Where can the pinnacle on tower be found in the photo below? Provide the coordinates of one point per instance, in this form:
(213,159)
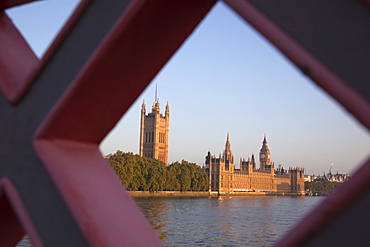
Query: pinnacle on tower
(167,106)
(227,146)
(167,112)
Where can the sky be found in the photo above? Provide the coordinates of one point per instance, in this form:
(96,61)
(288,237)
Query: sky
(227,78)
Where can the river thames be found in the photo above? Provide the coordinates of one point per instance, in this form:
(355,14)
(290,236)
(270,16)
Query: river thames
(226,221)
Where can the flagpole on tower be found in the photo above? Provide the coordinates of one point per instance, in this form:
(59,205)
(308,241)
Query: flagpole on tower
(156,92)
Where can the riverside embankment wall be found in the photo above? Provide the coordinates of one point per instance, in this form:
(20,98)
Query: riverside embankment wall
(204,194)
(168,194)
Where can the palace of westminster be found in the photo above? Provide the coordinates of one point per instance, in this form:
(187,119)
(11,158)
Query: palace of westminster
(224,177)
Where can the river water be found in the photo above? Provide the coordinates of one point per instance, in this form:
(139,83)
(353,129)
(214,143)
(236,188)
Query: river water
(225,221)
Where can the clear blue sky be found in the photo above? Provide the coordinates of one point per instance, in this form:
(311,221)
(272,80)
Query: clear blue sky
(227,78)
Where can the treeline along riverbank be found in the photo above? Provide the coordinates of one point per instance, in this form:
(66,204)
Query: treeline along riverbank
(145,177)
(186,194)
(144,174)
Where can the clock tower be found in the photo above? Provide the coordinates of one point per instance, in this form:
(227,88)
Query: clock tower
(265,162)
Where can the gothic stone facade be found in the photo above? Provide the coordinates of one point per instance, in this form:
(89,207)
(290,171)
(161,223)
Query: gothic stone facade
(154,133)
(226,179)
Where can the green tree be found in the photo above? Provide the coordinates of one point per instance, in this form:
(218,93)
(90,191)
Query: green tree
(189,176)
(155,176)
(144,174)
(138,173)
(172,183)
(184,177)
(323,186)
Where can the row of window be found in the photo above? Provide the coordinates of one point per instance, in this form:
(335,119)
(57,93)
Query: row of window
(148,155)
(162,138)
(222,185)
(149,137)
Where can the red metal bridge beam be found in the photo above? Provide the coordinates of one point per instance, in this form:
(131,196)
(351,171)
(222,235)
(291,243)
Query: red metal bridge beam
(14,217)
(109,83)
(102,70)
(330,44)
(18,61)
(5,4)
(121,49)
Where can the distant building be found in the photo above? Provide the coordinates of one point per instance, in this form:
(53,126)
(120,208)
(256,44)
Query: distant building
(339,178)
(308,178)
(226,179)
(154,133)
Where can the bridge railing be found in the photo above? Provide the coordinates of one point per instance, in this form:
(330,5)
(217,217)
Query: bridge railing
(56,186)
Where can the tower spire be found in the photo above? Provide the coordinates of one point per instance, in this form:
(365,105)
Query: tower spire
(265,162)
(228,155)
(156,92)
(228,141)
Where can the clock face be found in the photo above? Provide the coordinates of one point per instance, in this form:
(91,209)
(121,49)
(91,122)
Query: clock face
(262,156)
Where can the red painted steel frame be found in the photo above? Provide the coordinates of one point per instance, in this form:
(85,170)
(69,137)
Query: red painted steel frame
(136,48)
(19,64)
(68,141)
(346,195)
(5,4)
(14,217)
(18,60)
(311,66)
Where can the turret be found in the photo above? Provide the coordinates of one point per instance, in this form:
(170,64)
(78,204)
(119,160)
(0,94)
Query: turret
(208,160)
(156,107)
(167,112)
(143,106)
(253,162)
(142,131)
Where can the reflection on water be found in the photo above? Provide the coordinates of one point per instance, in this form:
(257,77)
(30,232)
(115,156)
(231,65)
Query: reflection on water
(252,221)
(156,214)
(248,221)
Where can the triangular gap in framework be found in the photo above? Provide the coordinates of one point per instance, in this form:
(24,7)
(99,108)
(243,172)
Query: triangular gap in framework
(346,80)
(339,90)
(187,84)
(41,35)
(54,135)
(18,56)
(14,219)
